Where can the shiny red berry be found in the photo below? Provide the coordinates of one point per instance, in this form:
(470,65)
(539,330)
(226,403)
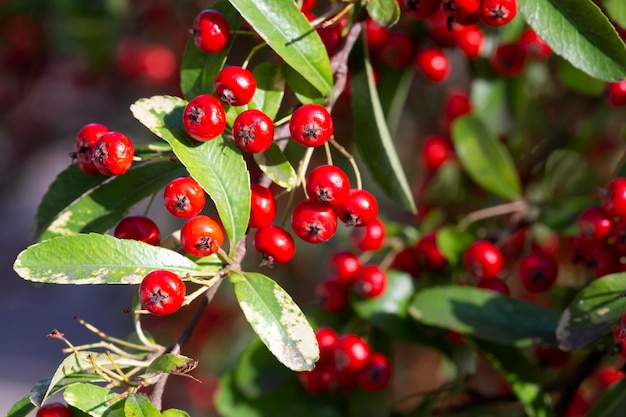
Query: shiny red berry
(352,353)
(428,254)
(311,125)
(275,244)
(211,31)
(497,12)
(307,5)
(375,35)
(184,197)
(460,7)
(375,376)
(613,198)
(434,63)
(369,237)
(359,209)
(617,93)
(483,259)
(594,224)
(537,272)
(471,39)
(371,281)
(53,410)
(262,206)
(436,150)
(508,60)
(312,222)
(201,236)
(113,154)
(344,266)
(235,86)
(85,141)
(138,228)
(328,185)
(253,131)
(333,295)
(162,292)
(420,9)
(327,340)
(330,36)
(204,118)
(457,104)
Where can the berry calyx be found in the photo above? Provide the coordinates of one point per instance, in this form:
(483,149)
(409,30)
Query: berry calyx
(113,154)
(183,197)
(201,236)
(375,376)
(235,86)
(211,31)
(275,244)
(369,237)
(433,63)
(85,141)
(359,209)
(204,118)
(253,131)
(53,410)
(328,185)
(262,206)
(139,228)
(313,223)
(311,125)
(483,259)
(537,272)
(162,292)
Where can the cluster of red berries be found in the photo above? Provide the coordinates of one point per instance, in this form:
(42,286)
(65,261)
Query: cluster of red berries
(345,362)
(601,244)
(99,150)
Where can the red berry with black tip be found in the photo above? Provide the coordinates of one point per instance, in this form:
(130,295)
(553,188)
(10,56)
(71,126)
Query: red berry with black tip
(352,353)
(211,31)
(253,131)
(328,185)
(275,244)
(370,282)
(139,228)
(359,209)
(162,292)
(262,206)
(53,410)
(85,141)
(460,7)
(201,236)
(428,254)
(113,154)
(311,125)
(420,9)
(508,60)
(594,224)
(375,376)
(184,197)
(204,118)
(537,272)
(497,12)
(235,86)
(312,222)
(483,259)
(369,237)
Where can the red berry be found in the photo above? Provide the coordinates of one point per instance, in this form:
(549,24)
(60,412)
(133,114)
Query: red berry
(371,282)
(85,141)
(594,224)
(617,93)
(497,12)
(433,63)
(470,39)
(333,295)
(375,376)
(508,60)
(253,131)
(210,31)
(420,9)
(344,266)
(352,353)
(138,228)
(552,357)
(359,209)
(398,50)
(436,150)
(311,125)
(375,35)
(184,197)
(607,376)
(328,340)
(307,5)
(158,63)
(328,185)
(162,292)
(313,381)
(536,48)
(275,244)
(614,198)
(537,272)
(235,86)
(457,104)
(428,254)
(113,154)
(201,236)
(312,222)
(53,410)
(483,259)
(406,261)
(330,36)
(262,206)
(460,7)
(204,118)
(369,237)
(494,284)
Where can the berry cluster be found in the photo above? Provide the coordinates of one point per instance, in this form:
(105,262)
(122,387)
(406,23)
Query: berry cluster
(345,362)
(99,150)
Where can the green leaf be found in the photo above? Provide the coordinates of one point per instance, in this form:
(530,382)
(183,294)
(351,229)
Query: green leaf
(304,91)
(291,36)
(384,12)
(137,405)
(171,363)
(612,402)
(275,165)
(270,89)
(68,187)
(371,132)
(486,160)
(217,164)
(594,312)
(485,314)
(579,81)
(566,173)
(579,32)
(277,319)
(43,389)
(97,259)
(522,375)
(100,208)
(198,69)
(172,412)
(452,242)
(616,11)
(93,400)
(22,408)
